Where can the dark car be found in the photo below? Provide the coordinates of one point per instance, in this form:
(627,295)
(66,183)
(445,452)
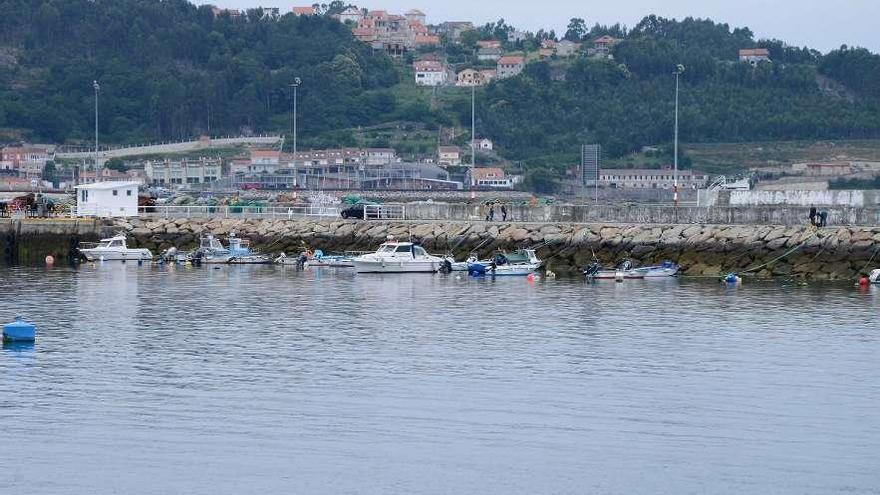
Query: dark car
(357,211)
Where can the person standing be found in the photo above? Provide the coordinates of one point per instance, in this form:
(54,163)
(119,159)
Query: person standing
(492,213)
(503,213)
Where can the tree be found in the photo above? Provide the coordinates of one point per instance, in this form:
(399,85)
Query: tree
(540,180)
(50,173)
(577,30)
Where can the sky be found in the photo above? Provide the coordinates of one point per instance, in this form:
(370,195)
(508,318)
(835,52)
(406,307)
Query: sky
(820,24)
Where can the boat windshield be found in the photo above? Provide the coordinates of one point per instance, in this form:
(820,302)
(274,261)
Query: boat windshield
(386,248)
(420,251)
(110,243)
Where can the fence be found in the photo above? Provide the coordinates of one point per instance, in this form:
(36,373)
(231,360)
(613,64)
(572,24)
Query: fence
(272,212)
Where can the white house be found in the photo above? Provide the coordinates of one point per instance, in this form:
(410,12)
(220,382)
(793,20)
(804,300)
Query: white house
(430,73)
(107,199)
(350,14)
(483,144)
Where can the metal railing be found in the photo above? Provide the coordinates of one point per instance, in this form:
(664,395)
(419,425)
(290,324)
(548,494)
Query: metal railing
(202,211)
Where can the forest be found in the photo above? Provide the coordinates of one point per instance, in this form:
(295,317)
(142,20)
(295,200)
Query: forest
(170,70)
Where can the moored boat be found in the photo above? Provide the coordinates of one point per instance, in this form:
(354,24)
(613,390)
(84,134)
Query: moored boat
(238,252)
(398,257)
(114,249)
(520,263)
(623,270)
(665,269)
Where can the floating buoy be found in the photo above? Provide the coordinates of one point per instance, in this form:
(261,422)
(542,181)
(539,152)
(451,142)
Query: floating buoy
(864,282)
(618,276)
(101,259)
(732,278)
(550,274)
(50,260)
(530,277)
(19,331)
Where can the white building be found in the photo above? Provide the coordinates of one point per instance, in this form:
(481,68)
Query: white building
(483,144)
(430,73)
(449,156)
(350,14)
(628,178)
(264,161)
(107,199)
(754,56)
(183,172)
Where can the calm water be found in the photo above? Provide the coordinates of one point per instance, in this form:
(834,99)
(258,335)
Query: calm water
(268,380)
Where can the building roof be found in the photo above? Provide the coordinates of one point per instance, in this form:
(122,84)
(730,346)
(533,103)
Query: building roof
(448,149)
(379,14)
(428,66)
(511,60)
(427,39)
(605,40)
(113,184)
(548,43)
(303,10)
(489,44)
(265,154)
(486,172)
(414,12)
(754,52)
(649,171)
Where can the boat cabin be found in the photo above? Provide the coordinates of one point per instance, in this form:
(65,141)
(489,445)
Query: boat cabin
(398,249)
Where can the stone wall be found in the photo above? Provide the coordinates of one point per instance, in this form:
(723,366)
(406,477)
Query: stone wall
(29,241)
(704,250)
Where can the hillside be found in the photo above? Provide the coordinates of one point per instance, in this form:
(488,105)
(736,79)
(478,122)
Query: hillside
(171,70)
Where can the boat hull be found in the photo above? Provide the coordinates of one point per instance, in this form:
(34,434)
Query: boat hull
(390,266)
(616,274)
(517,270)
(94,254)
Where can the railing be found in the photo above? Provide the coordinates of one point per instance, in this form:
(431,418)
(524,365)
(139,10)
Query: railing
(385,212)
(279,212)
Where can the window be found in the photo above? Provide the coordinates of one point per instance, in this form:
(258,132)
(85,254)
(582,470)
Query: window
(85,195)
(128,192)
(402,249)
(115,192)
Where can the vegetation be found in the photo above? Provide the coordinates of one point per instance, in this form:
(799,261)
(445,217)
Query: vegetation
(169,69)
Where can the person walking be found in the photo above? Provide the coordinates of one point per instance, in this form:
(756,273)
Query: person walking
(503,213)
(492,213)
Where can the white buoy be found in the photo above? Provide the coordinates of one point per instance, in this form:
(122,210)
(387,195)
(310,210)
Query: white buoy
(618,276)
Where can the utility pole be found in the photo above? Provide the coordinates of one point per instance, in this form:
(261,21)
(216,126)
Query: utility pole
(473,125)
(678,71)
(296,82)
(97,88)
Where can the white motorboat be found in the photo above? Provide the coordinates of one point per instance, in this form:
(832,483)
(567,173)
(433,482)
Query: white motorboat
(665,269)
(114,248)
(874,277)
(398,257)
(316,260)
(521,263)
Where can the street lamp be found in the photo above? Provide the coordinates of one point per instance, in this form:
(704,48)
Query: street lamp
(97,88)
(473,124)
(296,82)
(679,70)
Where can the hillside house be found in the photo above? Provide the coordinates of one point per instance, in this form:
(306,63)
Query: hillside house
(453,29)
(548,48)
(264,161)
(449,156)
(483,144)
(416,15)
(489,44)
(566,48)
(28,161)
(469,77)
(430,73)
(510,65)
(489,178)
(602,46)
(489,54)
(754,56)
(350,14)
(427,40)
(298,11)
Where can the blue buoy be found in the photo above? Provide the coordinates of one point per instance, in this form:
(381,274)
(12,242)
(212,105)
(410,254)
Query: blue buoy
(19,331)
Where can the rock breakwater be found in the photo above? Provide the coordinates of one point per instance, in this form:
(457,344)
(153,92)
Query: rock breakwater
(707,250)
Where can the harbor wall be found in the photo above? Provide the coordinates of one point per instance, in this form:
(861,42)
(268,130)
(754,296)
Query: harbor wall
(834,253)
(29,241)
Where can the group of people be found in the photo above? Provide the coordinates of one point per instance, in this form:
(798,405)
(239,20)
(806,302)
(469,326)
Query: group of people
(490,216)
(818,218)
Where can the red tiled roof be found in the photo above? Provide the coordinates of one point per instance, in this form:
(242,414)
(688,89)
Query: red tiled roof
(754,52)
(303,10)
(511,60)
(484,172)
(428,66)
(265,154)
(427,39)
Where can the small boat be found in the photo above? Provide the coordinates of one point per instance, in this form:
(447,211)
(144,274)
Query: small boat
(874,277)
(238,252)
(665,269)
(450,265)
(398,257)
(521,263)
(114,248)
(623,270)
(317,259)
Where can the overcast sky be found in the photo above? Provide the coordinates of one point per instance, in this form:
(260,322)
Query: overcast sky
(819,24)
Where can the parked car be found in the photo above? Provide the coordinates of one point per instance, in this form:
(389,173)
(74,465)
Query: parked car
(357,211)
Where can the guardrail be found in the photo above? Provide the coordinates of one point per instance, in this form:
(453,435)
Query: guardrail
(279,212)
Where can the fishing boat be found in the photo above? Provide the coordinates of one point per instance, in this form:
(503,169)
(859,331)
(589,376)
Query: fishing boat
(520,263)
(623,270)
(450,265)
(665,269)
(238,251)
(114,248)
(398,257)
(317,259)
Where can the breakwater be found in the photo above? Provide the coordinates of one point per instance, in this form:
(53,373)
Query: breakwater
(834,253)
(708,250)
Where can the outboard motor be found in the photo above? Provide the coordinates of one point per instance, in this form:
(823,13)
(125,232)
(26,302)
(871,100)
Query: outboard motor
(592,269)
(301,261)
(477,270)
(446,266)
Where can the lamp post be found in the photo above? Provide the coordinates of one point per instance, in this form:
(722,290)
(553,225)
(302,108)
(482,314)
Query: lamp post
(679,70)
(296,82)
(97,88)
